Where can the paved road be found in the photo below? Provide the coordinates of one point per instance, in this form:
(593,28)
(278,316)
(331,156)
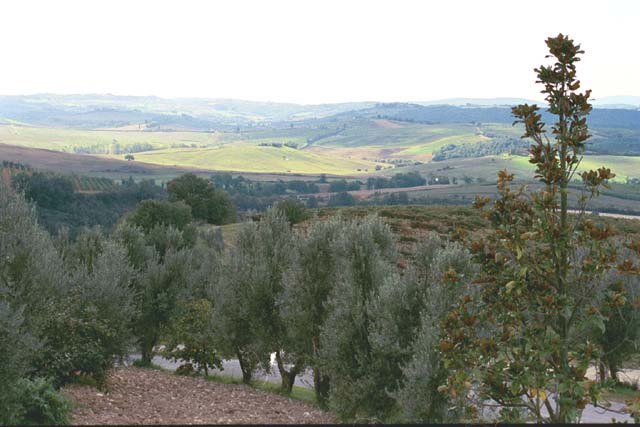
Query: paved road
(232,368)
(596,415)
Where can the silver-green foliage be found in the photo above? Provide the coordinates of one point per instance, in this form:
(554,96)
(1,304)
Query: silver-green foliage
(308,284)
(32,276)
(233,313)
(441,275)
(16,347)
(61,311)
(251,295)
(90,326)
(193,334)
(161,258)
(366,256)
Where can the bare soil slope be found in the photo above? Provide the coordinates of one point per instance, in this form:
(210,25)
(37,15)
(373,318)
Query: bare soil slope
(144,396)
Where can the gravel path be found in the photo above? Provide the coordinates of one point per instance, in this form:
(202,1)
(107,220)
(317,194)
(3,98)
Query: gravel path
(146,396)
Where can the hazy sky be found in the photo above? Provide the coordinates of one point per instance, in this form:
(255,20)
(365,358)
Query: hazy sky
(311,51)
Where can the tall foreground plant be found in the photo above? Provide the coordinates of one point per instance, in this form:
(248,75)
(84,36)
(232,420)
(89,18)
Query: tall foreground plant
(523,345)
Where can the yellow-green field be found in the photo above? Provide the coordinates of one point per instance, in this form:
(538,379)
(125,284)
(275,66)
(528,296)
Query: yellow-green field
(425,151)
(370,133)
(623,166)
(252,158)
(68,140)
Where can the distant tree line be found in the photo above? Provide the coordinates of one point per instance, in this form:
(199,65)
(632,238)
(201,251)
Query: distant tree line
(480,149)
(622,142)
(13,165)
(279,144)
(259,195)
(240,185)
(399,180)
(114,148)
(61,206)
(599,118)
(344,185)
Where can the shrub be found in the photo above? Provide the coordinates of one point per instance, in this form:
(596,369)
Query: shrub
(152,213)
(293,210)
(620,339)
(341,199)
(16,349)
(185,369)
(193,336)
(91,327)
(40,403)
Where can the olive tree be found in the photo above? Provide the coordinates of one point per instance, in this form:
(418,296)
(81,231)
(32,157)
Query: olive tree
(57,316)
(366,256)
(232,313)
(267,246)
(92,326)
(193,333)
(308,285)
(159,249)
(440,274)
(17,346)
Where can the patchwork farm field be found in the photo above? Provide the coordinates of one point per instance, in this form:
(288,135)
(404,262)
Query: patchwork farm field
(487,167)
(351,147)
(252,158)
(105,141)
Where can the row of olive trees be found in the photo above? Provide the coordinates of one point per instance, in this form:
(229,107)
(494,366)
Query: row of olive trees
(330,298)
(72,308)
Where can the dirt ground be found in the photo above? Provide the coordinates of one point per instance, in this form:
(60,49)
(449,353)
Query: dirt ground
(145,396)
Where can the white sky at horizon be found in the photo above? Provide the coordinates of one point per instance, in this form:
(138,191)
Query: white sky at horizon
(308,51)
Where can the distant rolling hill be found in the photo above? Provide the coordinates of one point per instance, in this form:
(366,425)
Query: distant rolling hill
(488,102)
(599,118)
(90,111)
(201,114)
(623,102)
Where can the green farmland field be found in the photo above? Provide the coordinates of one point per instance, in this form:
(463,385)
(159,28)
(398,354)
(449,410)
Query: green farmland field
(251,158)
(69,140)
